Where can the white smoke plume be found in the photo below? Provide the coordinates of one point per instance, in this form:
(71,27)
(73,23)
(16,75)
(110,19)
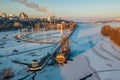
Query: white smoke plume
(34,6)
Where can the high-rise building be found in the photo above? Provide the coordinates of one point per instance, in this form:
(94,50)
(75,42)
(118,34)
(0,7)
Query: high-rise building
(49,19)
(52,19)
(23,15)
(11,16)
(3,15)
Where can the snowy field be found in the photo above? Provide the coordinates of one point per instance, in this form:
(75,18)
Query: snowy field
(94,56)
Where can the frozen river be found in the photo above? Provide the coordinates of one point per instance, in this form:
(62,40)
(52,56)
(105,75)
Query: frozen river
(85,38)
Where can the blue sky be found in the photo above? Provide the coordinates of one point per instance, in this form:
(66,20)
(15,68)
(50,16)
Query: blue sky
(69,9)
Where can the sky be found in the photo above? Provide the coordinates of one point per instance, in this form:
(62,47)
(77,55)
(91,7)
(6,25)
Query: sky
(68,9)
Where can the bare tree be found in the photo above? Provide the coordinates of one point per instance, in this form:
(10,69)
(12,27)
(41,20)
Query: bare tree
(7,73)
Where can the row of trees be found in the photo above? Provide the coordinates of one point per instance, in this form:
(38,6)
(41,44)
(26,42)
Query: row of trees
(113,33)
(106,29)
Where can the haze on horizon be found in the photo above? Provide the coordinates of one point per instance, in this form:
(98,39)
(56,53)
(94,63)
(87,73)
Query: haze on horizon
(77,10)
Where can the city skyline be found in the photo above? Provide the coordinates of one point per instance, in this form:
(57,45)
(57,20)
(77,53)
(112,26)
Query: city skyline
(78,10)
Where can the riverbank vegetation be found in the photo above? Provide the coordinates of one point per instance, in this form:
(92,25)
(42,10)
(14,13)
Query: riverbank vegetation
(112,33)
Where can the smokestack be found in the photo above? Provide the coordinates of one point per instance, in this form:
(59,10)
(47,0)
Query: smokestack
(34,6)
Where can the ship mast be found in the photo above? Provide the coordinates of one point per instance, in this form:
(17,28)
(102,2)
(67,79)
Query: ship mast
(64,50)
